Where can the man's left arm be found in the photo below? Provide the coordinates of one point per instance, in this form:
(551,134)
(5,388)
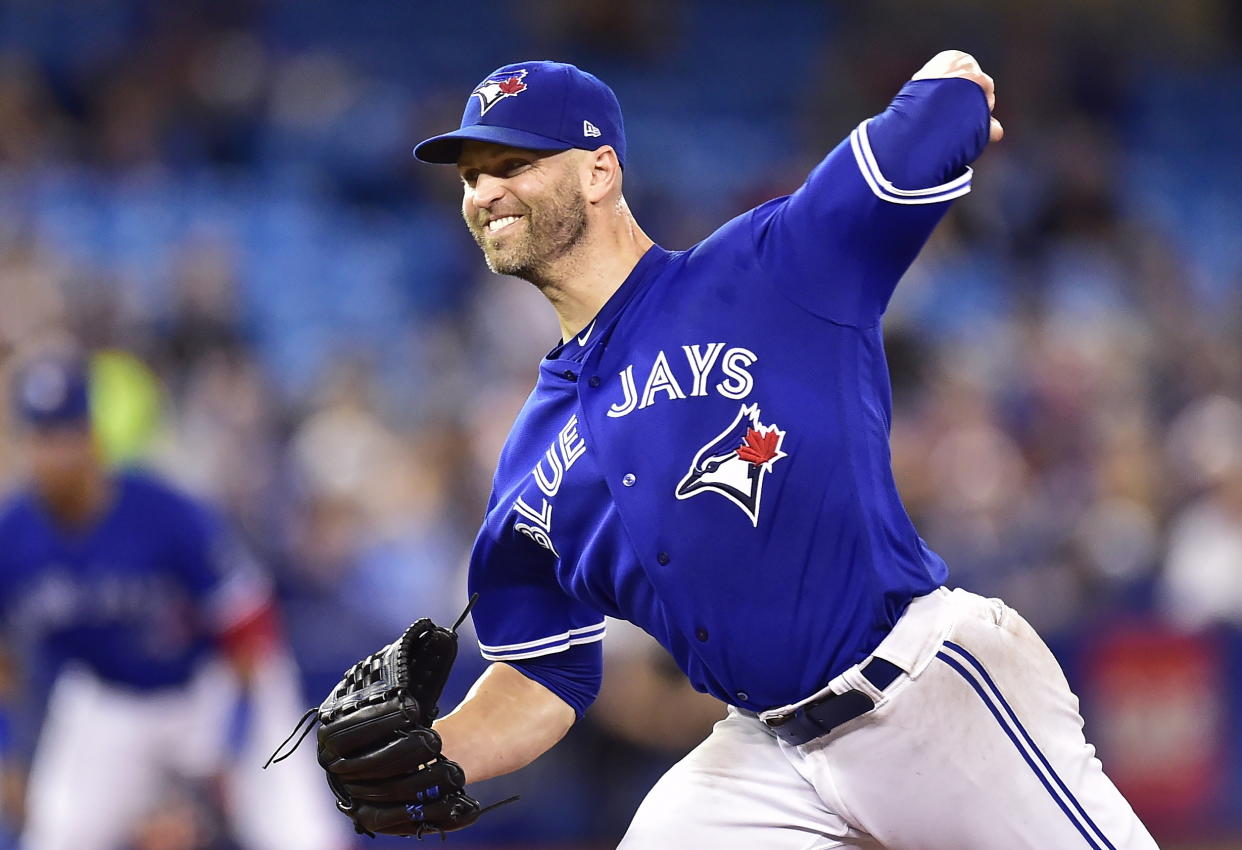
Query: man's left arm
(839,244)
(232,591)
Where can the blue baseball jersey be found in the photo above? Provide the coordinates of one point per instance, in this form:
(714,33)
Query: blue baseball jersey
(137,597)
(709,457)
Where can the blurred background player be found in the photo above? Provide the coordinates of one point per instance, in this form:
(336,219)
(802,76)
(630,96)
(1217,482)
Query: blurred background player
(139,622)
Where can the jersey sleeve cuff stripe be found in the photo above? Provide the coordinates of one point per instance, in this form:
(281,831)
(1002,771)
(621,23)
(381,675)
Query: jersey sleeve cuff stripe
(885,190)
(237,599)
(543,646)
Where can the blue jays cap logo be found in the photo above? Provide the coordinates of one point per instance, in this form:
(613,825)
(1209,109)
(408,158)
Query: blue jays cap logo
(735,462)
(497,87)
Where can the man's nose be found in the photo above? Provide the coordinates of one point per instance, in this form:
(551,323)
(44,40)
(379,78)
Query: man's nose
(487,189)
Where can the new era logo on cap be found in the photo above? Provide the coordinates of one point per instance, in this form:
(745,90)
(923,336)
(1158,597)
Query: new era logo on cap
(590,130)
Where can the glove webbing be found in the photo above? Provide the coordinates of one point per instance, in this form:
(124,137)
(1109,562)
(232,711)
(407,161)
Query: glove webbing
(358,675)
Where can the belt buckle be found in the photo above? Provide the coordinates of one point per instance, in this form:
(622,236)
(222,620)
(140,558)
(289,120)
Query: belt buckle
(803,713)
(819,717)
(806,725)
(778,720)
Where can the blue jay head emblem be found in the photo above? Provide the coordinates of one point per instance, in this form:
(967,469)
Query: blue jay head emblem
(735,462)
(497,87)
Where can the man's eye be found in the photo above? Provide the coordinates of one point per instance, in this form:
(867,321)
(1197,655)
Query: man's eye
(470,177)
(513,166)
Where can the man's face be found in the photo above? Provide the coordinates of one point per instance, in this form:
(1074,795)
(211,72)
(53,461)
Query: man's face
(62,459)
(525,208)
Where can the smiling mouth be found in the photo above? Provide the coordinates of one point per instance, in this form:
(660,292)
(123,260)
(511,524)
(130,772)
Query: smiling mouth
(498,224)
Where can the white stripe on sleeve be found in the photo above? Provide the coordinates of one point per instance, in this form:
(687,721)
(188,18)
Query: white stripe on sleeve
(885,190)
(543,646)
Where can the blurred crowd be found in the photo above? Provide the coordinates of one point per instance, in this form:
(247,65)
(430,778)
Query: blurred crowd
(218,198)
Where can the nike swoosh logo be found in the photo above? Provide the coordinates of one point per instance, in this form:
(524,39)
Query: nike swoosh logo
(582,340)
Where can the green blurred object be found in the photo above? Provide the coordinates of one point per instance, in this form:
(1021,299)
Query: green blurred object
(126,402)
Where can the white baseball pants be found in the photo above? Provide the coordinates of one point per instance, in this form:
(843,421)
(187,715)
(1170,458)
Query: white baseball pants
(106,756)
(978,746)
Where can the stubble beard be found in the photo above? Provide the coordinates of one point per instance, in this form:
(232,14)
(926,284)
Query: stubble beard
(551,230)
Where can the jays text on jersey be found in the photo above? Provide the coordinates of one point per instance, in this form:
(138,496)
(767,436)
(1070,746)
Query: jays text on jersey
(709,457)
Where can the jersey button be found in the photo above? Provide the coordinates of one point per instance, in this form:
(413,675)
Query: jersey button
(595,381)
(570,375)
(663,559)
(701,634)
(629,479)
(742,696)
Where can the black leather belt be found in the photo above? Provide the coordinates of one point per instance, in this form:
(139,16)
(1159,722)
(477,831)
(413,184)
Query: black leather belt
(821,716)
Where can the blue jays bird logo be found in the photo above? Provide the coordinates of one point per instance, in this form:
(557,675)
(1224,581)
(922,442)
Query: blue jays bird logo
(497,87)
(735,463)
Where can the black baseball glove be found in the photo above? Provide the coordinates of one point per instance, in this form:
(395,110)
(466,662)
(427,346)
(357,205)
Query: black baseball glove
(376,743)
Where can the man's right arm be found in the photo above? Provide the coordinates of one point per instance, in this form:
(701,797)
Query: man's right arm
(504,723)
(839,244)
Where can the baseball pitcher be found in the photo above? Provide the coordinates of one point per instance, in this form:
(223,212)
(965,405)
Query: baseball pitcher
(706,455)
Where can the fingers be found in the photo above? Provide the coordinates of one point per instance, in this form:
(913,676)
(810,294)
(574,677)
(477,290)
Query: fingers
(367,726)
(402,755)
(948,63)
(956,63)
(432,797)
(431,783)
(988,85)
(454,812)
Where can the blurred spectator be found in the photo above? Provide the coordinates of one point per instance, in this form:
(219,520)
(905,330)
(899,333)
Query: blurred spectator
(1203,575)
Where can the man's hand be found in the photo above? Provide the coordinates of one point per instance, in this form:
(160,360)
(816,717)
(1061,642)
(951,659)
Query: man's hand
(375,741)
(955,63)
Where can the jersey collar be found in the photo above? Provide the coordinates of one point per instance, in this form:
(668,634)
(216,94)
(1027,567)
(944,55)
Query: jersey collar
(598,328)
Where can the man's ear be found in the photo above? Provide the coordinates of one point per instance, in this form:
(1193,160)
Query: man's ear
(604,175)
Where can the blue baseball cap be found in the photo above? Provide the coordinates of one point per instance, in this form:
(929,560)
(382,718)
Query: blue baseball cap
(543,106)
(53,391)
